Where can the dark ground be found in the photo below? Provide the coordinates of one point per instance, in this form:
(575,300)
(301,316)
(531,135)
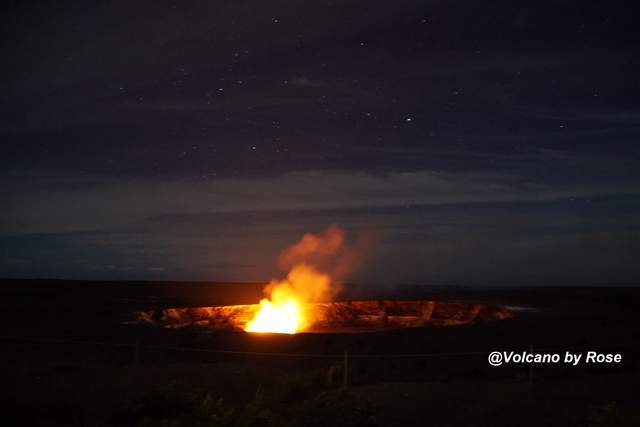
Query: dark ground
(69,360)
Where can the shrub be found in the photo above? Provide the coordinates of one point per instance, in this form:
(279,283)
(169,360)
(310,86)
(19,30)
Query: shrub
(336,409)
(173,406)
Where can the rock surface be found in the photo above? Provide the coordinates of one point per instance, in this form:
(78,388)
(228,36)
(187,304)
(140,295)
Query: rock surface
(339,316)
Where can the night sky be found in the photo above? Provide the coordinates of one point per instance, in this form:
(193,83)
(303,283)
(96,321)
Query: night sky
(482,143)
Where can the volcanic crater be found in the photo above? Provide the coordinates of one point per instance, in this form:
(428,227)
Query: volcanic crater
(333,317)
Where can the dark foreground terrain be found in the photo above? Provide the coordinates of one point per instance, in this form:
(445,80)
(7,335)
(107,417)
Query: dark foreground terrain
(71,358)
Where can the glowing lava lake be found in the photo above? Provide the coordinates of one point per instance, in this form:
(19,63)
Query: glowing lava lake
(327,317)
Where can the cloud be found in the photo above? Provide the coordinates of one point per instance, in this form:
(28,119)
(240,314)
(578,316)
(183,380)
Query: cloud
(46,203)
(563,242)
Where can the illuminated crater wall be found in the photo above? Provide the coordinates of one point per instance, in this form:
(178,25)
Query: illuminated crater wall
(340,316)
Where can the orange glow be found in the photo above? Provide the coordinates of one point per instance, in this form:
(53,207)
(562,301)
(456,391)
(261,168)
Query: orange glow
(282,311)
(337,316)
(281,318)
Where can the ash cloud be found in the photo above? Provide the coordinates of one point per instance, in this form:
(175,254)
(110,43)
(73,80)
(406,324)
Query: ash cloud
(318,264)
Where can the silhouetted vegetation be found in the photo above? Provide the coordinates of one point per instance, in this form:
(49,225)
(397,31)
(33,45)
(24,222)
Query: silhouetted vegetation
(179,406)
(336,409)
(613,415)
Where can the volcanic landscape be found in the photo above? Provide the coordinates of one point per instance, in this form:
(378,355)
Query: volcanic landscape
(62,338)
(332,317)
(299,340)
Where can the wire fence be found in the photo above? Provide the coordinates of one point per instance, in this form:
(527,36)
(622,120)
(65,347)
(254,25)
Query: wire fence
(137,345)
(369,367)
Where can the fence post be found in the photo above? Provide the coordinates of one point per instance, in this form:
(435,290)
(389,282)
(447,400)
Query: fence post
(345,371)
(531,367)
(136,353)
